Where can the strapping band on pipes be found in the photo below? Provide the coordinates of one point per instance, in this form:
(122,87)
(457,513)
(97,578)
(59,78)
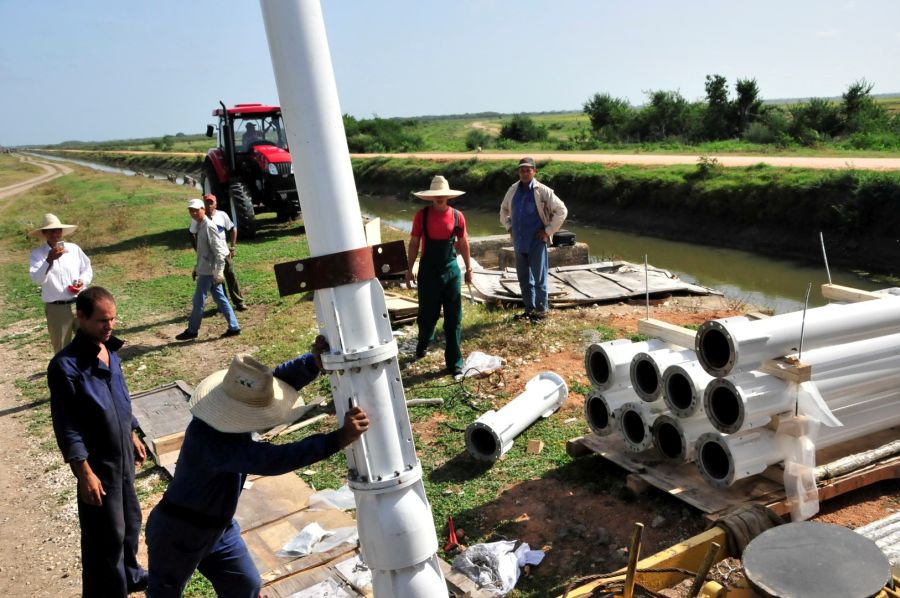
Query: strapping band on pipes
(737,344)
(607,364)
(492,434)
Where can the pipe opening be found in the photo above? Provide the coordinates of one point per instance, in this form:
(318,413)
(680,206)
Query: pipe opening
(714,460)
(669,441)
(679,391)
(598,413)
(725,408)
(714,348)
(483,442)
(633,426)
(600,370)
(645,377)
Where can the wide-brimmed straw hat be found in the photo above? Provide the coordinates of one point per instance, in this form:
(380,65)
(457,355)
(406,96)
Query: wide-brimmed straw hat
(51,222)
(439,188)
(246,398)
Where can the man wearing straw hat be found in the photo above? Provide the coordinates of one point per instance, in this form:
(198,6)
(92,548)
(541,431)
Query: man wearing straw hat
(62,270)
(193,526)
(532,213)
(440,231)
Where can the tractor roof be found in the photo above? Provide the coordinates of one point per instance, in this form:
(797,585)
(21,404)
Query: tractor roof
(239,109)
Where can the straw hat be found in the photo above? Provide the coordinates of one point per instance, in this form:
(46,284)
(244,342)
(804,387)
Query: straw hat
(439,188)
(246,398)
(51,222)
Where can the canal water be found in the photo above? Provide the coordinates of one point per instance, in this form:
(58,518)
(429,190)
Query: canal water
(758,280)
(767,282)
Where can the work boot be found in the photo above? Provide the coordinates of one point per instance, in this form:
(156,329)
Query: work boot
(525,315)
(538,316)
(187,335)
(231,332)
(240,307)
(421,350)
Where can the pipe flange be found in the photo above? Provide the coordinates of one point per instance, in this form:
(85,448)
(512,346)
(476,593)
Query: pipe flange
(715,348)
(356,359)
(396,481)
(714,459)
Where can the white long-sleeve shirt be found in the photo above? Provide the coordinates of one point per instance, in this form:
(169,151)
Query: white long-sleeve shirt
(68,268)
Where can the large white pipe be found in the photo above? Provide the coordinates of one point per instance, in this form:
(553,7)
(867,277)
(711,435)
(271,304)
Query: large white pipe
(735,344)
(600,409)
(647,367)
(396,529)
(492,434)
(683,386)
(842,374)
(607,364)
(675,437)
(724,459)
(635,422)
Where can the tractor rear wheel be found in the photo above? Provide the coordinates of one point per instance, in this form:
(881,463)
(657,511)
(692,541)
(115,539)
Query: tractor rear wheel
(242,210)
(209,182)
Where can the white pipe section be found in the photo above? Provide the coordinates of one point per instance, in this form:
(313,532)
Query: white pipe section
(683,386)
(675,437)
(647,367)
(607,364)
(635,422)
(739,343)
(396,529)
(492,434)
(842,374)
(724,459)
(600,409)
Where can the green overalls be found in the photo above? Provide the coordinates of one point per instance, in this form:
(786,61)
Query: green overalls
(440,285)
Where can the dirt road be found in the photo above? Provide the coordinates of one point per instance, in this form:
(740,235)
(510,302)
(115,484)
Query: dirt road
(727,160)
(51,171)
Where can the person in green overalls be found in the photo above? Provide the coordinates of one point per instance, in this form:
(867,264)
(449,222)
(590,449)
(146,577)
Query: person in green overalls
(441,231)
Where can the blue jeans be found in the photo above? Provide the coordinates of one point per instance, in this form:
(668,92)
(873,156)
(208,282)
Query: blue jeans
(531,269)
(204,285)
(175,548)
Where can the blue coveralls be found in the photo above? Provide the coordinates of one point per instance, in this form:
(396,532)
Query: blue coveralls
(531,252)
(193,526)
(92,420)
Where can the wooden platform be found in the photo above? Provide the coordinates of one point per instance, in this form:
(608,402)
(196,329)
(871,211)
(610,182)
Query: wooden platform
(163,414)
(685,482)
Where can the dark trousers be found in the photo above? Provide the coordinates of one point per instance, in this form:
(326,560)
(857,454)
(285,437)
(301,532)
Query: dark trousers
(436,290)
(109,543)
(234,289)
(176,548)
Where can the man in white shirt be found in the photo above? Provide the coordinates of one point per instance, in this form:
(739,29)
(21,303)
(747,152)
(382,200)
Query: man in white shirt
(62,270)
(226,229)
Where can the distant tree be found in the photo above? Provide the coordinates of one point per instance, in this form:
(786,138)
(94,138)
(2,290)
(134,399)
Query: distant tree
(523,128)
(717,117)
(351,126)
(860,110)
(748,106)
(815,120)
(666,115)
(379,135)
(609,116)
(477,138)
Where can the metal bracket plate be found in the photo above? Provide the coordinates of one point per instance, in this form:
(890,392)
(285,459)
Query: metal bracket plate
(337,269)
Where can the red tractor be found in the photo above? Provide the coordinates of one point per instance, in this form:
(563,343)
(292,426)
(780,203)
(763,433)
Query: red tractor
(250,171)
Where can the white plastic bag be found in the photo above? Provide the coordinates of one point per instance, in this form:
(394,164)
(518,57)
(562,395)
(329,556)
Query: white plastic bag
(302,544)
(341,499)
(478,363)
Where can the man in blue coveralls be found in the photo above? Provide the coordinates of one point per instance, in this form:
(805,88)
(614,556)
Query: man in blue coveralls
(193,526)
(94,427)
(532,213)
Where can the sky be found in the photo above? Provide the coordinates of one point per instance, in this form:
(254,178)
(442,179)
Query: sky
(95,70)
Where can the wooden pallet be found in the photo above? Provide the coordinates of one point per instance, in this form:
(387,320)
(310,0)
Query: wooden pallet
(683,481)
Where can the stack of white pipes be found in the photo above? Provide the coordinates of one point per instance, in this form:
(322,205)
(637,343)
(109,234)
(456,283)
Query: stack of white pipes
(712,405)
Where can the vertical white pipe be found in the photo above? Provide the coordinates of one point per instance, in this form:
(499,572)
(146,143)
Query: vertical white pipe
(396,530)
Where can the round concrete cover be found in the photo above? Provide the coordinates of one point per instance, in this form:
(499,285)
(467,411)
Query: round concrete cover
(806,559)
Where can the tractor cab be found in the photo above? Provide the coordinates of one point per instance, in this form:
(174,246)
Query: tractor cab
(250,170)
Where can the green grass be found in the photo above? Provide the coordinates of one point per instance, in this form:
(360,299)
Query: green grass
(13,171)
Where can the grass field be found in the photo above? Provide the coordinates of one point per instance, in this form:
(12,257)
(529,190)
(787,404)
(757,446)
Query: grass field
(13,171)
(134,231)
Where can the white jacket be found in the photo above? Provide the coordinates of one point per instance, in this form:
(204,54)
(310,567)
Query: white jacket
(211,249)
(550,208)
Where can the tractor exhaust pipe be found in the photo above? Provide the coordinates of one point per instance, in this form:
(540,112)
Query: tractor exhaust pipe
(396,529)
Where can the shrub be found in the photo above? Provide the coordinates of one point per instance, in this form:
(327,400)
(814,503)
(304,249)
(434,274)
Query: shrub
(523,128)
(477,139)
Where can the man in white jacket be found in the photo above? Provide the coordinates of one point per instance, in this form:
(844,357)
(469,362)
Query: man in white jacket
(62,270)
(532,213)
(210,268)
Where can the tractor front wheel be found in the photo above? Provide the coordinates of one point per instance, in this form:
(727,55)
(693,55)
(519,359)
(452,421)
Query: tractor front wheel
(242,210)
(289,209)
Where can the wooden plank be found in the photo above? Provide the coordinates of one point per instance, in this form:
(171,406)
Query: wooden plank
(670,333)
(288,586)
(836,292)
(271,498)
(168,443)
(787,369)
